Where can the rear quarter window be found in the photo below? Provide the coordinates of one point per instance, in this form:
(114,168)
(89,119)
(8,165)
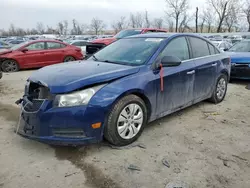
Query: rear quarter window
(199,47)
(212,49)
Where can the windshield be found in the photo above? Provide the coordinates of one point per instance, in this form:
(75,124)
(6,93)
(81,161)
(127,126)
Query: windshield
(126,33)
(131,51)
(243,46)
(19,45)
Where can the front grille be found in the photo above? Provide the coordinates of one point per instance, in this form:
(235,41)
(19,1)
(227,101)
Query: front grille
(68,132)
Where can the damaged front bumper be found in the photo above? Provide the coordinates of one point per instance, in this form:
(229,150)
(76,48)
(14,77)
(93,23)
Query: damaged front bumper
(40,121)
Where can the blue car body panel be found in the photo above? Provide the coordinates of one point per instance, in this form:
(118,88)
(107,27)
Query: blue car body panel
(181,89)
(240,65)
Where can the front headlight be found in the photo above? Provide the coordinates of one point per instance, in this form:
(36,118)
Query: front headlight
(76,98)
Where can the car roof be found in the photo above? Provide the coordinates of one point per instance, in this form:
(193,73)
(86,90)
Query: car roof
(163,35)
(46,40)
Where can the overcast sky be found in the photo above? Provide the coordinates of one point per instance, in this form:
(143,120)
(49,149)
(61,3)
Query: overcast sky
(26,13)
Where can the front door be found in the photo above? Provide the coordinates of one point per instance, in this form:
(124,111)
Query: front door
(206,67)
(35,55)
(178,81)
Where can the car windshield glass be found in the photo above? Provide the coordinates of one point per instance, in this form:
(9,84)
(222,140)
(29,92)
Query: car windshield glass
(132,51)
(243,46)
(127,33)
(19,45)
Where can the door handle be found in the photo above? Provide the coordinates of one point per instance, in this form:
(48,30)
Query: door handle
(191,72)
(214,64)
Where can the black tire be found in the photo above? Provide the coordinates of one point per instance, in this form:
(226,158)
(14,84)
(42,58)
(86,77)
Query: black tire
(69,58)
(111,131)
(215,99)
(10,65)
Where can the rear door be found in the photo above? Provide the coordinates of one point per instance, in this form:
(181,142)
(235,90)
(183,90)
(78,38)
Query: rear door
(206,67)
(55,52)
(35,56)
(178,81)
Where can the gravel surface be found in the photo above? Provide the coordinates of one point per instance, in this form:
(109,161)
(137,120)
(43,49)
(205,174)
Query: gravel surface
(205,145)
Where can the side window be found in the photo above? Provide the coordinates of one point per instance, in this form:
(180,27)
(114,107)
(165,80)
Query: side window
(199,47)
(62,45)
(83,43)
(212,49)
(76,44)
(36,46)
(53,45)
(150,31)
(177,47)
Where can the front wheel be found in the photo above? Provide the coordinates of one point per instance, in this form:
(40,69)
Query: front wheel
(126,121)
(10,66)
(220,90)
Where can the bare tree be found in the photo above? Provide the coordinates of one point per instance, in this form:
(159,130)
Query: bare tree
(221,8)
(97,25)
(176,10)
(184,24)
(158,23)
(232,18)
(196,19)
(132,20)
(170,25)
(40,27)
(119,24)
(66,24)
(136,20)
(209,18)
(60,28)
(247,13)
(147,22)
(139,20)
(12,30)
(203,20)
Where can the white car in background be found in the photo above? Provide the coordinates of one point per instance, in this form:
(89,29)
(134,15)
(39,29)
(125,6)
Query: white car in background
(223,45)
(81,44)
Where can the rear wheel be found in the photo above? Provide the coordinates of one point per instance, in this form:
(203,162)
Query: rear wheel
(220,89)
(68,59)
(126,121)
(10,66)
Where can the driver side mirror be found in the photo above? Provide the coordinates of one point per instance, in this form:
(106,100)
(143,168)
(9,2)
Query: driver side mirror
(170,61)
(24,50)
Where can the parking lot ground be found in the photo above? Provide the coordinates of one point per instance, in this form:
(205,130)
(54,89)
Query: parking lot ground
(205,145)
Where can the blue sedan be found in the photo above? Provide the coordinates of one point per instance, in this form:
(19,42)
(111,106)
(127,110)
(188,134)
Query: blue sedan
(240,58)
(121,88)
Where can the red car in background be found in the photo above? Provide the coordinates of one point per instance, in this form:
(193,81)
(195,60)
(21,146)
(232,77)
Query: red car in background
(98,44)
(39,53)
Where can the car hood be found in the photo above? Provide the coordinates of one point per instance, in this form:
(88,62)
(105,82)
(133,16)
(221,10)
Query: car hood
(67,77)
(239,57)
(5,51)
(106,41)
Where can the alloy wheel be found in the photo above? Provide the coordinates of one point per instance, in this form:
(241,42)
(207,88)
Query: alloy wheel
(221,88)
(10,66)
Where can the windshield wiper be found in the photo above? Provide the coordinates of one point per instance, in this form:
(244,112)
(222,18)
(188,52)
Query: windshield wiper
(94,57)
